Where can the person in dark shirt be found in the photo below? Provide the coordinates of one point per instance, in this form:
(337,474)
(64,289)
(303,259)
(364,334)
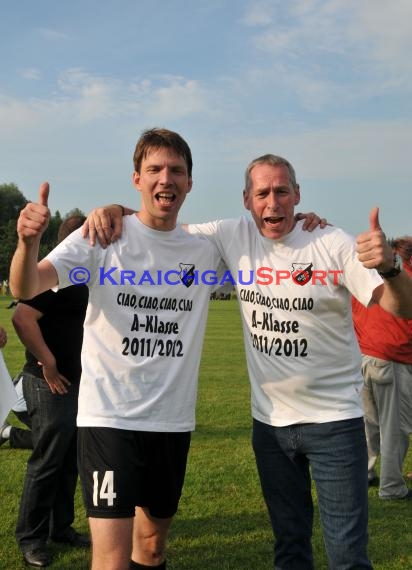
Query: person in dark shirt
(50,326)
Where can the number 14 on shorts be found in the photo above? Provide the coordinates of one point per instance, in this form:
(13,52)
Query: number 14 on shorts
(103,490)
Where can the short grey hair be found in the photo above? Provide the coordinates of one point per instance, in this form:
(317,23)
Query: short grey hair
(272,160)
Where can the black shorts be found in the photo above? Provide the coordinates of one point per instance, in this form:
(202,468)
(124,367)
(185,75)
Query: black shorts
(121,469)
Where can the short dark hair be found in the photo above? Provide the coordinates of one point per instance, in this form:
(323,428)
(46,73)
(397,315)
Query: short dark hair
(69,225)
(154,139)
(403,247)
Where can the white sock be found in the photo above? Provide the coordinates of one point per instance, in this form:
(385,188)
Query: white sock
(6,432)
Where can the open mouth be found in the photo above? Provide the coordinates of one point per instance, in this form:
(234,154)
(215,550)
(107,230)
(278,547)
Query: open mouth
(272,220)
(165,198)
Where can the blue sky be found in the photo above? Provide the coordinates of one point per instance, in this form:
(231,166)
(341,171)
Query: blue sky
(327,84)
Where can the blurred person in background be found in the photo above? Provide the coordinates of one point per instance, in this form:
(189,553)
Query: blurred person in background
(386,345)
(50,326)
(17,437)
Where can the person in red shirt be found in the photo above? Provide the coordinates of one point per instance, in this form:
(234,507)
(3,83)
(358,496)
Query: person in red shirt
(386,345)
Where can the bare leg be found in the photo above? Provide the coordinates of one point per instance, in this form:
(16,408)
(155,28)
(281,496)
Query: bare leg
(149,538)
(112,543)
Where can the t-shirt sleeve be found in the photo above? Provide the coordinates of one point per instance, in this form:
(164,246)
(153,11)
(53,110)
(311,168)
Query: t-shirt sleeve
(75,260)
(216,232)
(360,281)
(41,302)
(208,230)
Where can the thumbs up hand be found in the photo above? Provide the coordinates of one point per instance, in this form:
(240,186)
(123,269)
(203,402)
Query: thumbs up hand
(34,218)
(44,194)
(373,249)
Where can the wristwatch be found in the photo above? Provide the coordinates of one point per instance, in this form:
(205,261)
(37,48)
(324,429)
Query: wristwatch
(396,269)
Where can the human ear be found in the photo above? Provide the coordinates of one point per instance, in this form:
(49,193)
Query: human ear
(246,199)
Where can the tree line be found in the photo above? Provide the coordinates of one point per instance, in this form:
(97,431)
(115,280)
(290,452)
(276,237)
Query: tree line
(11,202)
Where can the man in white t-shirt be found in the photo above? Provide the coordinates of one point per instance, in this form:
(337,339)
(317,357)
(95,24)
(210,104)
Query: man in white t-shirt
(143,335)
(304,363)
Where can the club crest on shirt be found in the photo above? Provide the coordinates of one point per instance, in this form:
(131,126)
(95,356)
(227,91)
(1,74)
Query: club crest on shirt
(302,273)
(187,273)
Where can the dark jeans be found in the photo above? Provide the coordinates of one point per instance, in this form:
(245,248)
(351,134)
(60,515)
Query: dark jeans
(336,454)
(47,501)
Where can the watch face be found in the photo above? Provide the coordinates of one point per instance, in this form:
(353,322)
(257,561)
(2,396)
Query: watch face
(397,261)
(396,269)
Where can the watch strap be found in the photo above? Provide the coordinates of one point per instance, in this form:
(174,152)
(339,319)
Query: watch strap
(392,273)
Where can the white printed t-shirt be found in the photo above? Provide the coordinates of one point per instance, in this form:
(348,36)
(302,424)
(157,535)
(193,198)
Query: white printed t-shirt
(144,326)
(303,359)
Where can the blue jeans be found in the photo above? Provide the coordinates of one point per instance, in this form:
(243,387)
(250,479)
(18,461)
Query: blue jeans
(47,500)
(335,453)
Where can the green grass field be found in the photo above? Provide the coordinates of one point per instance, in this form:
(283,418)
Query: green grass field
(222,521)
